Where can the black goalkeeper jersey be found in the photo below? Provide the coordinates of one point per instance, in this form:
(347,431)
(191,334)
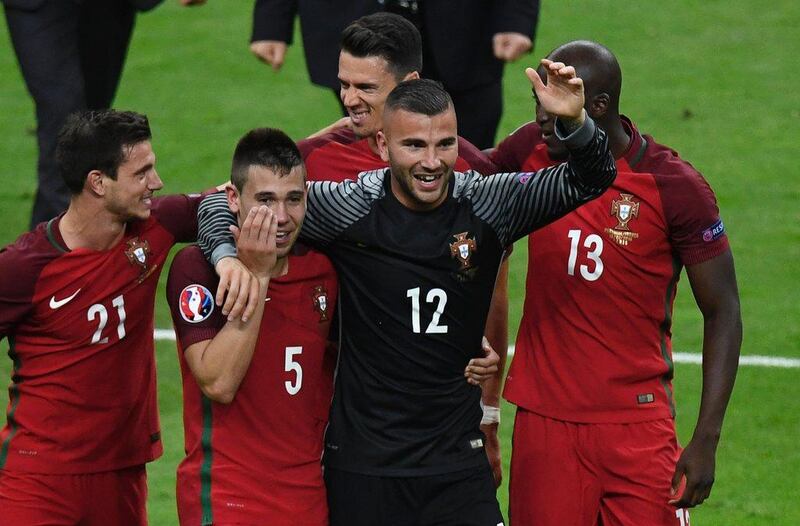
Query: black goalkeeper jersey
(415,289)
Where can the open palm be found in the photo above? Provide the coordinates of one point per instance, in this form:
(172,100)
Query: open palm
(562,96)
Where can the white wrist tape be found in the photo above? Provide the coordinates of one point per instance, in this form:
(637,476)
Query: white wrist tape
(491,415)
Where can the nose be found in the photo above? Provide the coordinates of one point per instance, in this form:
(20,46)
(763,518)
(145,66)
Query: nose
(431,161)
(348,96)
(154,182)
(280,212)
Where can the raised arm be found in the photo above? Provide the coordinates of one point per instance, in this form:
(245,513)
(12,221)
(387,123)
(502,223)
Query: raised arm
(714,287)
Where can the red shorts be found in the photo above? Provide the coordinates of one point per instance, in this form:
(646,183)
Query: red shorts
(588,474)
(94,499)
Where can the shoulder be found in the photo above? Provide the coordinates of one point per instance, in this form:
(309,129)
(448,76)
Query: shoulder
(190,267)
(474,159)
(671,173)
(28,254)
(338,136)
(511,153)
(21,265)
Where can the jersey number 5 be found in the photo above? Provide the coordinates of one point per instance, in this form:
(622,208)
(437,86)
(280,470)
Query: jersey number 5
(437,296)
(98,310)
(290,365)
(594,245)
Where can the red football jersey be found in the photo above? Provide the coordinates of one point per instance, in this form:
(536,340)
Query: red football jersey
(257,460)
(80,329)
(594,344)
(340,155)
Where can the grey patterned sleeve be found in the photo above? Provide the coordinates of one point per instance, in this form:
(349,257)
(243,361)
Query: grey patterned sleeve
(332,207)
(213,235)
(516,204)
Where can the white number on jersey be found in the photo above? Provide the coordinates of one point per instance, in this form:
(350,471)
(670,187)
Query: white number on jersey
(98,310)
(594,244)
(434,295)
(683,516)
(290,365)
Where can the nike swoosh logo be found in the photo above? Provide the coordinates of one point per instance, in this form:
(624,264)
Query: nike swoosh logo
(57,304)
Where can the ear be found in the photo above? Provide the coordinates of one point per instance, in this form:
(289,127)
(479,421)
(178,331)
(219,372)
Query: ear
(598,106)
(233,199)
(383,147)
(412,75)
(95,183)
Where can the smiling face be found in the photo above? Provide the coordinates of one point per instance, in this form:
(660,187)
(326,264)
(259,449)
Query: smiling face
(129,196)
(421,151)
(285,195)
(365,84)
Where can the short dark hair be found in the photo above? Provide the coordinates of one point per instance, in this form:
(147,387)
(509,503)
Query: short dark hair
(97,140)
(385,35)
(424,96)
(267,147)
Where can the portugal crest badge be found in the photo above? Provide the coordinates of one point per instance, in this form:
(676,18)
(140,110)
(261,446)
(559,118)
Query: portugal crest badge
(462,249)
(624,209)
(320,297)
(138,253)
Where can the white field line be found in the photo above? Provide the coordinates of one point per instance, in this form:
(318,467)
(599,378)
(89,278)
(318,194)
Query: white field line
(678,357)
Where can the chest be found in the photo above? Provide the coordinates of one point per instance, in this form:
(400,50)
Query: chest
(88,297)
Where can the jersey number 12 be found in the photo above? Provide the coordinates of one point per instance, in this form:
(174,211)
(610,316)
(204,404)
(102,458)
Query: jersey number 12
(437,296)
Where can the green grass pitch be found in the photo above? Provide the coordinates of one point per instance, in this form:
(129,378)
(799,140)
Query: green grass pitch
(716,80)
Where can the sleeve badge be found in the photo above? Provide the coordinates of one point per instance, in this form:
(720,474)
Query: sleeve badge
(196,303)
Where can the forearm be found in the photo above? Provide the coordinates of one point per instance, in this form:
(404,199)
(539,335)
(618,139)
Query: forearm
(496,332)
(721,343)
(220,367)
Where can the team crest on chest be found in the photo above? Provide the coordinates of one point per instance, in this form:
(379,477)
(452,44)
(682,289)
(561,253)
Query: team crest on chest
(138,253)
(462,249)
(624,209)
(320,296)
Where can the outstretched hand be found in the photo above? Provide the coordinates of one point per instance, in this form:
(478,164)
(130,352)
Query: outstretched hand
(562,95)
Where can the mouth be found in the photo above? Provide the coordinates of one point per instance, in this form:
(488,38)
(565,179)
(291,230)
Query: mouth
(428,180)
(148,200)
(357,117)
(282,238)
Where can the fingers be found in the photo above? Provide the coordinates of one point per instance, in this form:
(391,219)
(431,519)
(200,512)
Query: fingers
(253,297)
(271,234)
(239,300)
(479,370)
(271,52)
(232,289)
(224,278)
(694,493)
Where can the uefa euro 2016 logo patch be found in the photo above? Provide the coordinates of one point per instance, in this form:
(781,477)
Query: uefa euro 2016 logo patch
(196,303)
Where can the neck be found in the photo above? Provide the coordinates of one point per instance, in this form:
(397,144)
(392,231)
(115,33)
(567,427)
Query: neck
(280,268)
(88,226)
(618,138)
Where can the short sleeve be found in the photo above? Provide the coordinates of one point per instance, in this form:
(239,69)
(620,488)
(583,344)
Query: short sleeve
(190,294)
(696,230)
